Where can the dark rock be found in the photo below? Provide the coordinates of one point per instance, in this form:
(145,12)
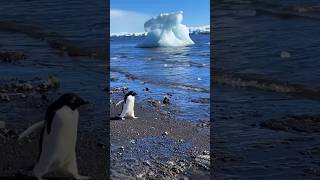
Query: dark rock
(302,123)
(113,79)
(166,100)
(201,100)
(11,56)
(155,103)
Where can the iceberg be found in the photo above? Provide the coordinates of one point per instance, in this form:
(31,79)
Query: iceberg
(192,30)
(166,30)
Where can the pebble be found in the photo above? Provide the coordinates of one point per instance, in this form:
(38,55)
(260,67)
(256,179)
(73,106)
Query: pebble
(165,133)
(147,163)
(132,141)
(205,152)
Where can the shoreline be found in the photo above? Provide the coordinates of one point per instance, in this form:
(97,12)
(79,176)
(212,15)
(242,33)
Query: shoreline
(157,142)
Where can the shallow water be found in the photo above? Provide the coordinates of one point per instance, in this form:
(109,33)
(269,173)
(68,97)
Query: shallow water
(249,38)
(180,71)
(39,29)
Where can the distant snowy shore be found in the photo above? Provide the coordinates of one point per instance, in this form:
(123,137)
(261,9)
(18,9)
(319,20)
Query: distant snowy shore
(192,30)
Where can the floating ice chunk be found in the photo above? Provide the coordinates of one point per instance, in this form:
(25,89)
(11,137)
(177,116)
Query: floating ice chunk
(166,30)
(285,54)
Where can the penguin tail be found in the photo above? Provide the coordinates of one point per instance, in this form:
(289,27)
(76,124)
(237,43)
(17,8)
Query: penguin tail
(119,102)
(31,129)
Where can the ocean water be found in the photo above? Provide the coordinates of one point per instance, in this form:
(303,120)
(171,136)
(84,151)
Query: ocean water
(251,35)
(43,30)
(266,66)
(182,72)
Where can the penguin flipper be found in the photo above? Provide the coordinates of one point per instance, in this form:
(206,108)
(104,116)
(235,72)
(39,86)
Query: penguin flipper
(31,129)
(119,102)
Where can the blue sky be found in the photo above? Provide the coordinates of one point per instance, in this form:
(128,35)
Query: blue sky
(130,15)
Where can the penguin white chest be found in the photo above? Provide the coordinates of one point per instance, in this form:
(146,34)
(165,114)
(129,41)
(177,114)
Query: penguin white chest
(128,107)
(66,125)
(61,141)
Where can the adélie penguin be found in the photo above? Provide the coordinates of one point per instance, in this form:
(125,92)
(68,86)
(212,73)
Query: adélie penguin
(58,138)
(128,105)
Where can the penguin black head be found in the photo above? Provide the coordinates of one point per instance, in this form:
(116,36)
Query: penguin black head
(132,93)
(69,99)
(72,100)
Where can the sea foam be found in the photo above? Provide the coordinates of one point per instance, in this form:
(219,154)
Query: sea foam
(166,30)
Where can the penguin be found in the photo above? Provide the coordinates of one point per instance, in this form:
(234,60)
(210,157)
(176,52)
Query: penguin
(58,138)
(128,105)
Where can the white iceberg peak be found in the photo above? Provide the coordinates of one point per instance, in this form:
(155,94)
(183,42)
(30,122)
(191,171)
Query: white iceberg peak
(166,30)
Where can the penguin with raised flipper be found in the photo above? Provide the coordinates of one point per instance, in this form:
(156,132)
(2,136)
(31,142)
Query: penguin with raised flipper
(128,105)
(58,138)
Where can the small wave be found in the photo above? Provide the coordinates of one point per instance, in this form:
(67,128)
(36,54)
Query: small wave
(54,40)
(188,87)
(252,81)
(277,9)
(286,14)
(189,63)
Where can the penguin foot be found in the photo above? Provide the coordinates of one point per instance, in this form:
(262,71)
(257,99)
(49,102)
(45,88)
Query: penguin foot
(122,118)
(80,177)
(135,117)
